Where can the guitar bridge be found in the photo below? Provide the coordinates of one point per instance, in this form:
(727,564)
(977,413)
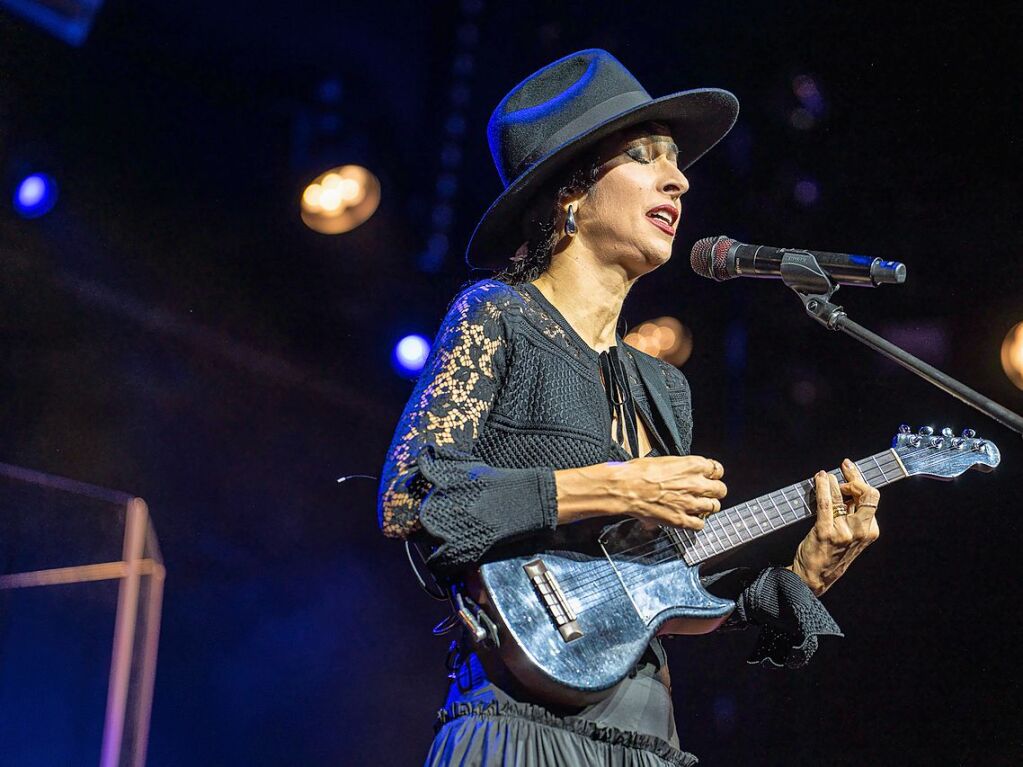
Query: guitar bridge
(554,599)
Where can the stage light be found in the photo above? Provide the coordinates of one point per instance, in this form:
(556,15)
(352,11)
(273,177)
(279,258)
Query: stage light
(340,199)
(35,196)
(1012,355)
(410,354)
(665,337)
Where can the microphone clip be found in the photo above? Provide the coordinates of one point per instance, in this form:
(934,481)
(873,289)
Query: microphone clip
(801,272)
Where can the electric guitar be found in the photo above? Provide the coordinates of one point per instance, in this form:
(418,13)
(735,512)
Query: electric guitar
(568,626)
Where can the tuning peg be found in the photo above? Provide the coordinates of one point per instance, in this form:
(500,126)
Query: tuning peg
(958,442)
(925,431)
(937,442)
(914,441)
(979,445)
(946,433)
(905,429)
(969,433)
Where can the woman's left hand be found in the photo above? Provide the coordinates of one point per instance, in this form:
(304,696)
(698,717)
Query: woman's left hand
(845,527)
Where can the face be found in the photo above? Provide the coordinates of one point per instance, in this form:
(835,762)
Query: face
(630,215)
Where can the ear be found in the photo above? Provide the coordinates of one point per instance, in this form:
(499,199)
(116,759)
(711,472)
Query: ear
(576,199)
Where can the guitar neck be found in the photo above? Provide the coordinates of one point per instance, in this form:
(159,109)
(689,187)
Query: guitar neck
(738,525)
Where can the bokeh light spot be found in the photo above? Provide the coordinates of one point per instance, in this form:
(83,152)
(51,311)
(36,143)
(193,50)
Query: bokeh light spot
(35,196)
(665,338)
(410,354)
(1012,355)
(340,199)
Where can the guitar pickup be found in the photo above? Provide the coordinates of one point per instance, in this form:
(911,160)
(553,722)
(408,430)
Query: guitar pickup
(554,600)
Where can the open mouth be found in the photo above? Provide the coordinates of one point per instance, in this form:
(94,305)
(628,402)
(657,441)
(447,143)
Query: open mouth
(664,217)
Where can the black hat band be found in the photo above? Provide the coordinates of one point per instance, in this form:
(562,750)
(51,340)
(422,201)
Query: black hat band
(592,117)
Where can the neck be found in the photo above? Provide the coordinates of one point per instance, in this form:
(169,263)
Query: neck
(588,294)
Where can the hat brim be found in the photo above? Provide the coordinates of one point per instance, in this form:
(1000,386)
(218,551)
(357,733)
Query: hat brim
(698,119)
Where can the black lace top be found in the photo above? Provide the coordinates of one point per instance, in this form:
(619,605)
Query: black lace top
(510,394)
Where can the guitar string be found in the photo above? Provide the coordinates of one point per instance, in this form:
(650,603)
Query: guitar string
(718,523)
(584,591)
(585,595)
(708,548)
(714,535)
(599,586)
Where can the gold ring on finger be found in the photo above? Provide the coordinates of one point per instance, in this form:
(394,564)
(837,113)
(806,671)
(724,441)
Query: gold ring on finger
(838,510)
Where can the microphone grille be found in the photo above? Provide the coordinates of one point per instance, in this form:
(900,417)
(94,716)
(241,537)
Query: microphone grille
(708,257)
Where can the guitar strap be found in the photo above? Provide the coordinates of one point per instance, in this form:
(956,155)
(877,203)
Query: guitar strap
(660,403)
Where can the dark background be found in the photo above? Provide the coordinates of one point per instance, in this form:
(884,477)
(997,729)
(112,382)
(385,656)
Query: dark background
(172,329)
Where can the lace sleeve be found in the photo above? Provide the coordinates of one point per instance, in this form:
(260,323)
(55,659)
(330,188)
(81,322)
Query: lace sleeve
(431,481)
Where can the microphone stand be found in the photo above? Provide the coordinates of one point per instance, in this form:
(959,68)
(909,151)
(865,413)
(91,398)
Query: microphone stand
(802,273)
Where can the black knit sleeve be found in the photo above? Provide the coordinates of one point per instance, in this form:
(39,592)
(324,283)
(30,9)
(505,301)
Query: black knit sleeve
(790,618)
(431,481)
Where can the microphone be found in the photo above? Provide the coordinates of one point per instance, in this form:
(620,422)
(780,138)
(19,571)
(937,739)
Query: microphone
(721,258)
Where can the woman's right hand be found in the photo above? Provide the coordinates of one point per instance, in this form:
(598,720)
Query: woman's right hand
(670,490)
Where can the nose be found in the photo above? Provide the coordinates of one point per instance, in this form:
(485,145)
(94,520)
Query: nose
(674,183)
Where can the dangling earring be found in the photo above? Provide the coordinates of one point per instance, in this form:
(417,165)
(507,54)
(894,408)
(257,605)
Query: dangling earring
(570,225)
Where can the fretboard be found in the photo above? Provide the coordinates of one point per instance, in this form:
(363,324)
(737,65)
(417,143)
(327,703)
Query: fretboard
(738,525)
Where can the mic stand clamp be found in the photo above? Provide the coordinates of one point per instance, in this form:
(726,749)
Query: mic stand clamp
(801,272)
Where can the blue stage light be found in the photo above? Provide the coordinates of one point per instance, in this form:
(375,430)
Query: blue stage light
(410,354)
(35,196)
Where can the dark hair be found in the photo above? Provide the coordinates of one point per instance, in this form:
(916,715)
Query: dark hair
(541,224)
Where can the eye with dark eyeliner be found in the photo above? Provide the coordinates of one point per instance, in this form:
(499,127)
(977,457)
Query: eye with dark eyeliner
(644,153)
(639,154)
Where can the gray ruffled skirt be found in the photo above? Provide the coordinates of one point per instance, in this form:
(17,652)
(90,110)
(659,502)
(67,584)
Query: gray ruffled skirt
(482,726)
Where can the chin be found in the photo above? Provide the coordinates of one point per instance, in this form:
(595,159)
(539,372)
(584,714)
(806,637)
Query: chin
(658,257)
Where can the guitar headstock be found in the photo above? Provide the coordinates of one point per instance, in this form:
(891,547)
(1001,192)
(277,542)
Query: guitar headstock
(943,456)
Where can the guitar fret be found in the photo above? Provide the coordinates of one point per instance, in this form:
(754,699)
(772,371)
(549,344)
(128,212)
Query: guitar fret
(749,512)
(725,532)
(874,459)
(785,495)
(742,519)
(781,515)
(724,524)
(735,528)
(766,515)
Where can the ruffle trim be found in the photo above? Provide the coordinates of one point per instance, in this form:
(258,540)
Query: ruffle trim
(792,619)
(584,727)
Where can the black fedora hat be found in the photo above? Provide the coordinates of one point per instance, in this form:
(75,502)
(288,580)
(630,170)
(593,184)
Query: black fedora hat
(559,112)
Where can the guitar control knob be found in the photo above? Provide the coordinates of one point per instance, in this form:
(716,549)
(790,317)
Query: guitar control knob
(905,429)
(969,433)
(946,433)
(925,431)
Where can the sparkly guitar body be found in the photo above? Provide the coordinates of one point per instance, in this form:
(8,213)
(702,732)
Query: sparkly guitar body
(568,626)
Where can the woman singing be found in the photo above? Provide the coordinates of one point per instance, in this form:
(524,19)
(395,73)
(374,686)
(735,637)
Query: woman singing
(534,424)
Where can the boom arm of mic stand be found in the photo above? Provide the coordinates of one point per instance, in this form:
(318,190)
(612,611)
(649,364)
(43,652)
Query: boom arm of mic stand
(815,289)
